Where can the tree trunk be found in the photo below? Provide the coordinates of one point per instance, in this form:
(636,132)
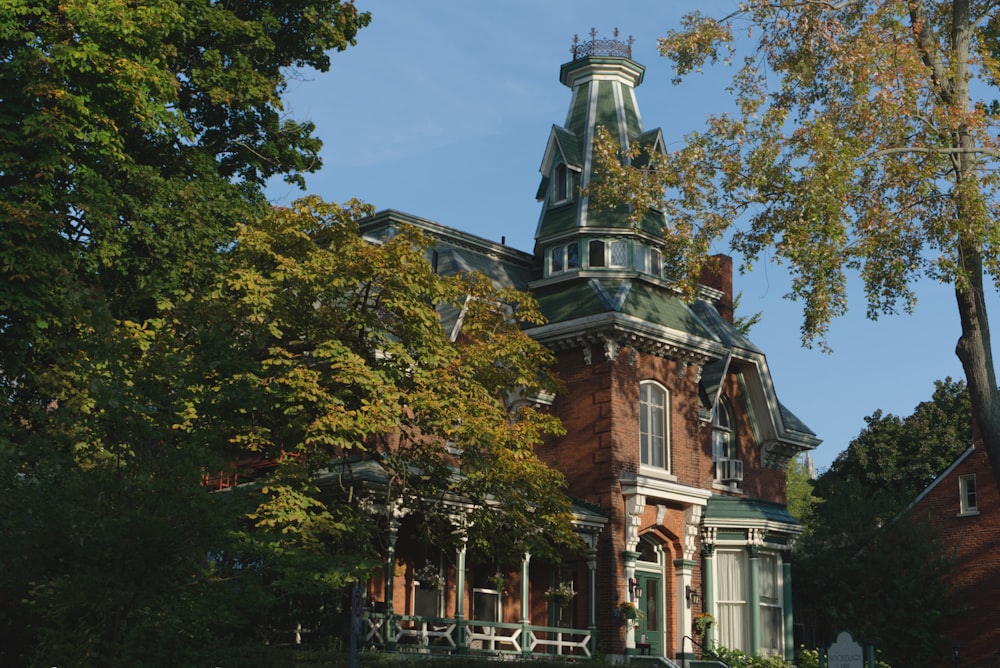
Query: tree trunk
(974,348)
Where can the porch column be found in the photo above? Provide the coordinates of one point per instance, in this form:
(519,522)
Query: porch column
(754,603)
(786,608)
(592,596)
(635,505)
(460,622)
(525,607)
(683,569)
(630,557)
(708,582)
(390,570)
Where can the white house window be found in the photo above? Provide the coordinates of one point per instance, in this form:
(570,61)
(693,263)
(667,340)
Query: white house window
(771,615)
(968,504)
(731,599)
(654,424)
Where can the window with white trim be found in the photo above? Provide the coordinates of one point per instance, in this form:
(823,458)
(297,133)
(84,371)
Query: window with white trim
(723,442)
(771,615)
(731,598)
(564,258)
(613,253)
(968,502)
(648,260)
(654,425)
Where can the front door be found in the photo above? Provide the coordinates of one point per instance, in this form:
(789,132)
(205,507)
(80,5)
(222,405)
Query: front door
(649,627)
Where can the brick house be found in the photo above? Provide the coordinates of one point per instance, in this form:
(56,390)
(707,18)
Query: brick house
(676,443)
(963,505)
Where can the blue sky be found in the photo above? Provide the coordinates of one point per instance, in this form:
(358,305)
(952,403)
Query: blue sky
(443,110)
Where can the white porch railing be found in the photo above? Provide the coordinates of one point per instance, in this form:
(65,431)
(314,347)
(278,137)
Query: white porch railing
(441,634)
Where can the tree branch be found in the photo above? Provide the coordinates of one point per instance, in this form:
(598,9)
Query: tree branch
(995,153)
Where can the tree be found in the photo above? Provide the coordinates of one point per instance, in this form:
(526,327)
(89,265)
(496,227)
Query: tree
(133,140)
(860,143)
(347,356)
(857,539)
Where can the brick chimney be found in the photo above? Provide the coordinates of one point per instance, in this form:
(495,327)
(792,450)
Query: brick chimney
(717,273)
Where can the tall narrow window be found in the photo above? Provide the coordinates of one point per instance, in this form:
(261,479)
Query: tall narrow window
(731,601)
(771,637)
(968,504)
(560,183)
(654,425)
(723,446)
(619,254)
(556,259)
(596,253)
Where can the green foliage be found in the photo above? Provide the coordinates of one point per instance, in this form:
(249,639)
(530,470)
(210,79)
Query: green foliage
(858,146)
(739,659)
(133,140)
(856,539)
(799,491)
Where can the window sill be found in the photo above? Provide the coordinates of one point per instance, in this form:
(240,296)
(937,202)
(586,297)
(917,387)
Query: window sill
(656,472)
(733,487)
(968,513)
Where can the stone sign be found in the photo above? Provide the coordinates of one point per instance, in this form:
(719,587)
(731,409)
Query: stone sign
(845,653)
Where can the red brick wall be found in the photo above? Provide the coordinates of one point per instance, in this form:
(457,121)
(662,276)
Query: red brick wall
(975,624)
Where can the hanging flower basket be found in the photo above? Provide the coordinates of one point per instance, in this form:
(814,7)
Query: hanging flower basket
(561,595)
(702,623)
(628,610)
(428,577)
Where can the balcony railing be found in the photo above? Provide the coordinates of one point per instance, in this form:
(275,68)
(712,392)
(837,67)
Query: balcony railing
(447,635)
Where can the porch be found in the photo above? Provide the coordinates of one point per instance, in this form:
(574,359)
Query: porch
(447,635)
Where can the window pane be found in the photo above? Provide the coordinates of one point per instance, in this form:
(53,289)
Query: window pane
(731,599)
(596,253)
(619,254)
(653,425)
(556,259)
(572,256)
(655,263)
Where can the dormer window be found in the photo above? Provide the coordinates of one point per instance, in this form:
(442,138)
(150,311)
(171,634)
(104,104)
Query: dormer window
(560,184)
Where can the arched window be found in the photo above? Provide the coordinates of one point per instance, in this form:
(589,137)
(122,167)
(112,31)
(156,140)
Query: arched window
(728,466)
(654,425)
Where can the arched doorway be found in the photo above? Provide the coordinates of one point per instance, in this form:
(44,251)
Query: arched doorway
(653,619)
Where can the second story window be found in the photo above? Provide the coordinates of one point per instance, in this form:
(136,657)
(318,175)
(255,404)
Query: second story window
(728,467)
(654,425)
(968,504)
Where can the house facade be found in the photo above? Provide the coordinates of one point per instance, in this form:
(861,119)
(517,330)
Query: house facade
(676,443)
(963,507)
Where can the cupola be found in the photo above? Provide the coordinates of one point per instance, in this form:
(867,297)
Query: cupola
(572,232)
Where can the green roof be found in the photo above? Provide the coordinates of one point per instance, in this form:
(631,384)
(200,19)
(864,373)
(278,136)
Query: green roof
(744,510)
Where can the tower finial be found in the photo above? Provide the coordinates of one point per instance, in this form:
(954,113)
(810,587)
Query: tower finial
(602,47)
